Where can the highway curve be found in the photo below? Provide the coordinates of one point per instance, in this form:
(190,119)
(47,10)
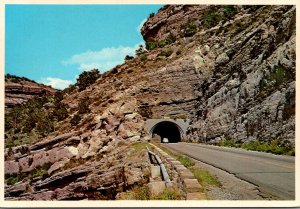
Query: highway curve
(273,174)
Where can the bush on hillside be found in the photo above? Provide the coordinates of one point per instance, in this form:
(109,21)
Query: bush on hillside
(189,29)
(128,57)
(75,120)
(229,11)
(140,50)
(212,19)
(86,78)
(83,105)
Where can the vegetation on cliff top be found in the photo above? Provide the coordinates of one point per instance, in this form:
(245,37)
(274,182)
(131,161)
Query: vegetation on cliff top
(17,79)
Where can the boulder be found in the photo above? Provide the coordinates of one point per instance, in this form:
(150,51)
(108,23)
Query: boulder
(57,165)
(75,190)
(50,142)
(11,167)
(16,189)
(25,163)
(157,187)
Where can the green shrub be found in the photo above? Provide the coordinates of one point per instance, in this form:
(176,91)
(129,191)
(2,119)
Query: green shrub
(277,76)
(69,89)
(44,126)
(189,29)
(203,176)
(227,143)
(39,172)
(272,147)
(212,19)
(178,52)
(229,11)
(166,53)
(13,180)
(162,43)
(140,50)
(83,105)
(75,120)
(86,78)
(186,161)
(171,38)
(143,58)
(58,96)
(151,45)
(60,112)
(127,57)
(151,15)
(17,79)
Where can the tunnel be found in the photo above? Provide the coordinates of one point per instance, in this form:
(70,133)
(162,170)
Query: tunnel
(167,129)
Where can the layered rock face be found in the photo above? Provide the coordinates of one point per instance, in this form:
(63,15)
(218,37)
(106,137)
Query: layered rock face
(21,91)
(233,75)
(245,67)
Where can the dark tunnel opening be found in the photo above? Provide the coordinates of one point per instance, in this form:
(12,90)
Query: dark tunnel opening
(167,130)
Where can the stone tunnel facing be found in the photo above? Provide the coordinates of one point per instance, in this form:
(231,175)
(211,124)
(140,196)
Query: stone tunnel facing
(168,130)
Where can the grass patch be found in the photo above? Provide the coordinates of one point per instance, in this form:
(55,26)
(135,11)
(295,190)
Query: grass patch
(186,161)
(274,146)
(12,180)
(39,172)
(271,147)
(139,146)
(138,193)
(168,194)
(143,193)
(204,177)
(228,143)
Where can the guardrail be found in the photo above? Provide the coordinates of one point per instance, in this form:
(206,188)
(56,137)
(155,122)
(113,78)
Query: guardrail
(162,168)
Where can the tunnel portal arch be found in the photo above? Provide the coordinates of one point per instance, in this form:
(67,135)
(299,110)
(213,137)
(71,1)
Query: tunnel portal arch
(174,130)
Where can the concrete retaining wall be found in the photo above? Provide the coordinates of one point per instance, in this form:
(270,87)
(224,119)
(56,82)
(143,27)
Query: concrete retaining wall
(188,183)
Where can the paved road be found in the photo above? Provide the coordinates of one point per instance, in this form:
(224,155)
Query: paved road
(273,174)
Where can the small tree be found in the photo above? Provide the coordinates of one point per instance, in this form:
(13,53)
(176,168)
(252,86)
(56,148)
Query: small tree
(83,105)
(140,50)
(75,120)
(150,45)
(128,57)
(60,111)
(87,78)
(44,127)
(189,29)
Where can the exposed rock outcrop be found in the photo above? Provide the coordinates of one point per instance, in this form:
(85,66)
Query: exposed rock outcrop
(18,90)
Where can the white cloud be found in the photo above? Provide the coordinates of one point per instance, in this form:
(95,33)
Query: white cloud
(56,82)
(104,59)
(138,29)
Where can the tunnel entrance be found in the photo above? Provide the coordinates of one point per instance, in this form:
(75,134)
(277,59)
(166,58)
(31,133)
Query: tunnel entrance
(167,129)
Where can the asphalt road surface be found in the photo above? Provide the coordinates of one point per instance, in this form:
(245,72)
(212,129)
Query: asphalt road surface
(273,174)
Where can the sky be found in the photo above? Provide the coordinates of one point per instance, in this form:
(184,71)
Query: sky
(53,44)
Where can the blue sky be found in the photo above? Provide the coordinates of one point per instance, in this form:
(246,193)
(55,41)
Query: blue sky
(53,44)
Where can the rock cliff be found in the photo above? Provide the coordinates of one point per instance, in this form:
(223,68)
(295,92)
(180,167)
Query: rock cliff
(240,62)
(19,90)
(229,69)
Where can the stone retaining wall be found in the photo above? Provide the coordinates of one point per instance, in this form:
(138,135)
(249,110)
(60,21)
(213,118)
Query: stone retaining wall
(186,180)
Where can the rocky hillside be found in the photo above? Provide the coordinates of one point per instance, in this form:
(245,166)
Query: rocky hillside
(231,70)
(19,90)
(241,62)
